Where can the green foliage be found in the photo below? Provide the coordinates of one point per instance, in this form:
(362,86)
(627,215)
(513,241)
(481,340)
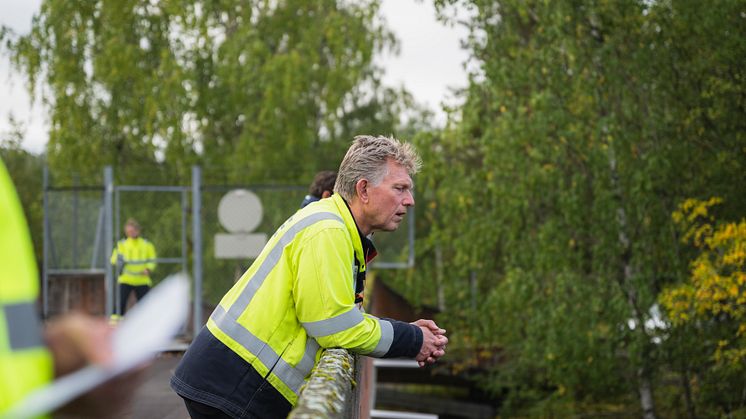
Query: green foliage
(254,92)
(586,124)
(261,90)
(710,304)
(543,217)
(26,171)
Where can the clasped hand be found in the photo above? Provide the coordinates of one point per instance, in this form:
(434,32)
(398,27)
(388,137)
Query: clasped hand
(434,342)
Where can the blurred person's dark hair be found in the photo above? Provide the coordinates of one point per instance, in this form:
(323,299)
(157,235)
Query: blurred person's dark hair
(321,187)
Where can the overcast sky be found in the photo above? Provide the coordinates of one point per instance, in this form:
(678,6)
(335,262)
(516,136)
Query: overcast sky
(429,65)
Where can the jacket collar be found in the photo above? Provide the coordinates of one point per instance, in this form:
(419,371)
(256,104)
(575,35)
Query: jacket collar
(360,243)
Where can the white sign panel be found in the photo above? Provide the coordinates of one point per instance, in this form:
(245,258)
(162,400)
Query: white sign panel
(239,212)
(239,246)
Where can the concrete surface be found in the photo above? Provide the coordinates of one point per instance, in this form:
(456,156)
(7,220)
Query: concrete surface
(154,399)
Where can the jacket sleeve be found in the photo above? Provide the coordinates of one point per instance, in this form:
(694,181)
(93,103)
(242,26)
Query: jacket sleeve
(324,297)
(115,254)
(151,257)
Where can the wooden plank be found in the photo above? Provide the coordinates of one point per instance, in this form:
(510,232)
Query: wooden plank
(77,291)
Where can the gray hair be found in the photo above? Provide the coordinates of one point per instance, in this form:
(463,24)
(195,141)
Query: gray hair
(366,159)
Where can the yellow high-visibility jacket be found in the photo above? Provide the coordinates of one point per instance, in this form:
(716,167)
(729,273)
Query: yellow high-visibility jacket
(296,298)
(25,363)
(134,256)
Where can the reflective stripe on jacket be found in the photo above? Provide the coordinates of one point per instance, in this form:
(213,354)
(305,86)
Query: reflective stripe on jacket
(299,296)
(134,256)
(25,363)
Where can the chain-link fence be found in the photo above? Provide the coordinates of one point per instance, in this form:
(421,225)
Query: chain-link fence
(83,222)
(163,214)
(74,225)
(74,260)
(81,227)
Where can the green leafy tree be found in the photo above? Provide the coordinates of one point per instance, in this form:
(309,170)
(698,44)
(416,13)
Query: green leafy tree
(261,90)
(710,304)
(254,92)
(545,204)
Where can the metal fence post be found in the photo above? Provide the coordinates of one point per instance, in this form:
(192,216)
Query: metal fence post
(45,245)
(108,238)
(184,228)
(197,250)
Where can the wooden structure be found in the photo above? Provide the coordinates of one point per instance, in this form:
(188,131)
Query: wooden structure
(77,291)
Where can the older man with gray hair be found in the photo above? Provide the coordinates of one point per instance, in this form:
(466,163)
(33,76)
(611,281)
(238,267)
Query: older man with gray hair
(304,293)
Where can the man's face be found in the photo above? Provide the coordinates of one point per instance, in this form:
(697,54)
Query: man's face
(389,200)
(131,231)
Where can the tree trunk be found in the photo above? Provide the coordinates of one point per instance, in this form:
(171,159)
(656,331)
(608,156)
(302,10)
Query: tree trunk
(439,278)
(645,387)
(688,394)
(646,394)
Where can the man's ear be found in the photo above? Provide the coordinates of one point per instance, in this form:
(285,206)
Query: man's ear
(326,194)
(361,187)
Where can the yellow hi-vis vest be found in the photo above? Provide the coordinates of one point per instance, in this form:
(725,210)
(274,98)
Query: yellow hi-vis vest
(25,363)
(299,296)
(133,256)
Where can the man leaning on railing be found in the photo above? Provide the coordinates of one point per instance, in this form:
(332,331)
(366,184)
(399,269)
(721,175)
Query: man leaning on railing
(304,293)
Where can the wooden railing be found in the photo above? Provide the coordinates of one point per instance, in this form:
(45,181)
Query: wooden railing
(333,389)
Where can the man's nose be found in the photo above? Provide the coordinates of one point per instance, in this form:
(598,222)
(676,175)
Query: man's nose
(409,200)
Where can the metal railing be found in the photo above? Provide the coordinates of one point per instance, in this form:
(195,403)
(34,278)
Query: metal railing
(332,391)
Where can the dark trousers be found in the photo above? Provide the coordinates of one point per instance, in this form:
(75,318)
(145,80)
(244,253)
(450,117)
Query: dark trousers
(199,410)
(217,383)
(124,294)
(264,409)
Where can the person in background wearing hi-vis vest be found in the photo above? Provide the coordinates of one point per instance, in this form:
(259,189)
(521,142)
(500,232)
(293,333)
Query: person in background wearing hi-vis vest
(32,355)
(134,258)
(304,292)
